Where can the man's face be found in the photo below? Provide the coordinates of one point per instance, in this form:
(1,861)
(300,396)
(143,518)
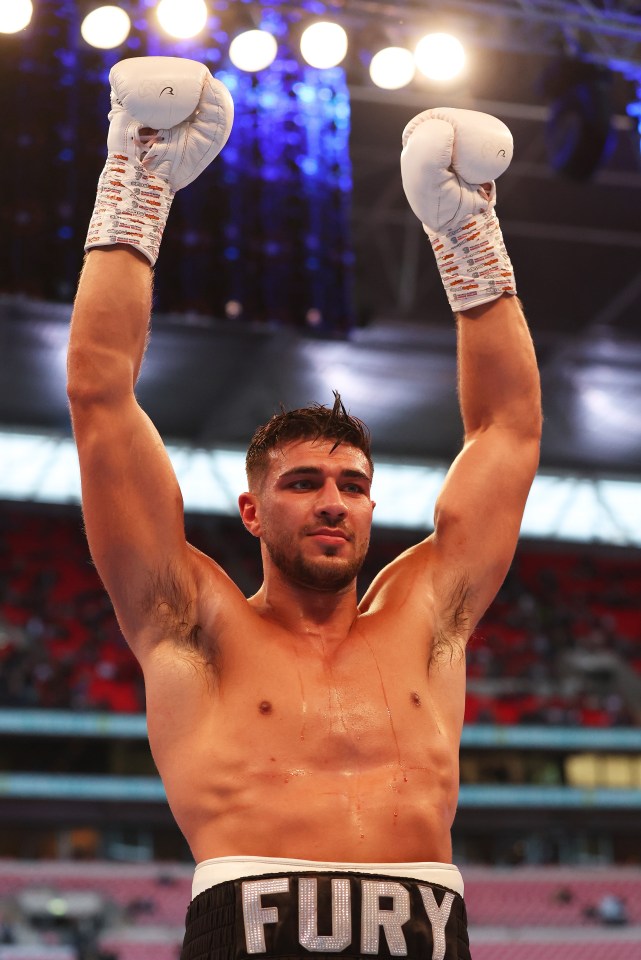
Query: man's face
(315,513)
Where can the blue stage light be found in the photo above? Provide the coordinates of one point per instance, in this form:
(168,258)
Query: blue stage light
(266,226)
(634,110)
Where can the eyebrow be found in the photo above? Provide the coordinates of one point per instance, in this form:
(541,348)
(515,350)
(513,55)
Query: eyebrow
(316,471)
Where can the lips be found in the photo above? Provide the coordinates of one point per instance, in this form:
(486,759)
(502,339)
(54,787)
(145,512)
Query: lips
(330,532)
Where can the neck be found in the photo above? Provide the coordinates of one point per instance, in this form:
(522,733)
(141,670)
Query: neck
(303,609)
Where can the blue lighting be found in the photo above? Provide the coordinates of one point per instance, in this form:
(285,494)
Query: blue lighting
(305,92)
(634,110)
(268,99)
(316,7)
(342,111)
(274,23)
(267,225)
(229,78)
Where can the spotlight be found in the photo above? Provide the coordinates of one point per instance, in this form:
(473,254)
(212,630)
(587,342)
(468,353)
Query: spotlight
(392,68)
(15,15)
(440,56)
(323,44)
(578,132)
(105,27)
(253,50)
(182,19)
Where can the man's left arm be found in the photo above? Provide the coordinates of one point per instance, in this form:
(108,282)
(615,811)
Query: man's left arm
(449,162)
(479,510)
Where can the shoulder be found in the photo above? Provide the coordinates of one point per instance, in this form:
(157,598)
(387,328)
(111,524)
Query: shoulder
(416,585)
(408,578)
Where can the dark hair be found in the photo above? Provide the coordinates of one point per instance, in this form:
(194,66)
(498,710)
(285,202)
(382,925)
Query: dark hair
(315,422)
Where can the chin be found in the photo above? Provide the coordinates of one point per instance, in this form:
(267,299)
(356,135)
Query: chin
(327,574)
(333,578)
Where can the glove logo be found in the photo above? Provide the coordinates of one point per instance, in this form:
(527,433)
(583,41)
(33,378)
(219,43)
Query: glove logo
(171,91)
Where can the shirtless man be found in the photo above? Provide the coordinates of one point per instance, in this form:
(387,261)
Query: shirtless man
(308,744)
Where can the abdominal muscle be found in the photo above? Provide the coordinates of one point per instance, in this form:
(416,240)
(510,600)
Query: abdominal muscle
(365,817)
(245,787)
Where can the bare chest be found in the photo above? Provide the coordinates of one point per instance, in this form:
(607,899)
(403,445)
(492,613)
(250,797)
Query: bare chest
(365,702)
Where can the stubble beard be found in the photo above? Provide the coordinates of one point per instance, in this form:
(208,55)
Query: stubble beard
(316,574)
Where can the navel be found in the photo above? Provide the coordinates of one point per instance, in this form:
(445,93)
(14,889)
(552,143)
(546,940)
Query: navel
(415,699)
(265,707)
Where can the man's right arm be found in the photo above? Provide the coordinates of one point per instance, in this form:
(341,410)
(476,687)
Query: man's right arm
(131,500)
(157,144)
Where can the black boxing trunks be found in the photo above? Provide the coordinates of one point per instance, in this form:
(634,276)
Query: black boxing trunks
(303,908)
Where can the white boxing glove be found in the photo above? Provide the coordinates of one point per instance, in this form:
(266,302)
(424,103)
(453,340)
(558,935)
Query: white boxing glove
(449,161)
(169,119)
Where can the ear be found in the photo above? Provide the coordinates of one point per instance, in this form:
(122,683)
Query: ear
(248,506)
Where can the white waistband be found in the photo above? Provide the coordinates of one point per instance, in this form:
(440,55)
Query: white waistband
(220,869)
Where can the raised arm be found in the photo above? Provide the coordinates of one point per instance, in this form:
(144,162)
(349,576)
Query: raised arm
(479,510)
(131,501)
(449,160)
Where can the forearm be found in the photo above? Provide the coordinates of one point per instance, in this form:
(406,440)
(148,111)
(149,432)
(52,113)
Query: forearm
(498,376)
(110,322)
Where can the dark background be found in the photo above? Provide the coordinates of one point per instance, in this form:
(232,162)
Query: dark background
(386,340)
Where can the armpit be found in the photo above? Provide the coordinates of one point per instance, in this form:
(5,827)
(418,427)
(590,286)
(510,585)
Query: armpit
(452,623)
(169,603)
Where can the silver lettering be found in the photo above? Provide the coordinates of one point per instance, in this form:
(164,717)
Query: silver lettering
(391,920)
(255,916)
(308,916)
(438,917)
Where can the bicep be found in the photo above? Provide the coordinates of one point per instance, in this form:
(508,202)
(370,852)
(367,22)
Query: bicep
(479,511)
(132,504)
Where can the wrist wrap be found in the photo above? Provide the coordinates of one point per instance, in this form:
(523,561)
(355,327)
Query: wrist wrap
(473,262)
(132,206)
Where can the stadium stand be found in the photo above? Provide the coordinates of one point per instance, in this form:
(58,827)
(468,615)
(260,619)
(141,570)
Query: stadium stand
(559,648)
(524,914)
(560,644)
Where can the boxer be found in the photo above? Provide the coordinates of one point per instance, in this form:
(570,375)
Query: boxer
(308,743)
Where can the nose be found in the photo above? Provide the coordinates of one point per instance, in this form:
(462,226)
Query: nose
(330,505)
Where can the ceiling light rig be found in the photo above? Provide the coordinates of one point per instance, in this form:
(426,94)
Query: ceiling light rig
(253,50)
(324,44)
(253,45)
(182,19)
(440,56)
(611,37)
(106,27)
(15,15)
(392,68)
